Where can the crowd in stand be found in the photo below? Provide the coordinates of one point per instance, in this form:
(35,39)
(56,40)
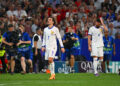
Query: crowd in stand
(80,14)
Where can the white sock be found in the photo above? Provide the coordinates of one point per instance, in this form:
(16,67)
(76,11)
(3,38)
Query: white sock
(52,68)
(100,61)
(95,63)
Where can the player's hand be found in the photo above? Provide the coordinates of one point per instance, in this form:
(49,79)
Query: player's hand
(43,49)
(20,42)
(10,44)
(90,49)
(63,50)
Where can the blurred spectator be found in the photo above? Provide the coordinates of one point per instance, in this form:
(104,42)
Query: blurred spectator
(11,21)
(97,4)
(2,54)
(2,28)
(34,26)
(19,12)
(28,25)
(117,23)
(10,12)
(112,30)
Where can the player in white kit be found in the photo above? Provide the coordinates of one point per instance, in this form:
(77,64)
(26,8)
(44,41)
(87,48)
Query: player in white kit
(95,43)
(50,36)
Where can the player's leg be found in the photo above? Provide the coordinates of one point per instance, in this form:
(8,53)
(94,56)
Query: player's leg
(23,65)
(94,54)
(12,64)
(31,65)
(100,55)
(29,57)
(52,67)
(72,61)
(108,60)
(51,62)
(104,61)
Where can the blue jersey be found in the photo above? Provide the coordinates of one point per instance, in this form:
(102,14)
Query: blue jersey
(108,45)
(7,35)
(24,47)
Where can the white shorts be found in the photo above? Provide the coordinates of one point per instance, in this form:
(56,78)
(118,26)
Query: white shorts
(97,51)
(50,53)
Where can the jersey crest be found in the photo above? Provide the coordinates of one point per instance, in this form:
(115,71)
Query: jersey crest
(52,32)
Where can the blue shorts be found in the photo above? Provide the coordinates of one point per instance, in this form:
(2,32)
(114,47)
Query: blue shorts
(27,54)
(107,57)
(69,52)
(9,55)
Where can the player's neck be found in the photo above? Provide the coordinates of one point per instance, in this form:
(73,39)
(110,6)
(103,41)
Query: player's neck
(50,26)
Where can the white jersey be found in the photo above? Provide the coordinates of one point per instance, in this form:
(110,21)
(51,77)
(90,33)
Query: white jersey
(50,38)
(39,42)
(97,36)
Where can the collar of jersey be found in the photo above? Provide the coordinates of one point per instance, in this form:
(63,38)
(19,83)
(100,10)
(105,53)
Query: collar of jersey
(96,27)
(51,27)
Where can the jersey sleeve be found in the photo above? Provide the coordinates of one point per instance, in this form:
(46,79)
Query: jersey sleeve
(64,37)
(4,35)
(59,38)
(44,41)
(36,38)
(90,31)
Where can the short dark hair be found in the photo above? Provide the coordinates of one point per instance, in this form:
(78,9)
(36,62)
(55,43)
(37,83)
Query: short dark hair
(38,28)
(98,20)
(10,25)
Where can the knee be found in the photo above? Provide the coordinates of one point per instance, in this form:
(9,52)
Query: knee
(72,57)
(12,59)
(50,60)
(30,61)
(22,59)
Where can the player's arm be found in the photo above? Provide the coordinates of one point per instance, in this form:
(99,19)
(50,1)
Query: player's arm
(4,40)
(104,26)
(89,43)
(28,41)
(44,41)
(35,44)
(60,40)
(75,37)
(89,39)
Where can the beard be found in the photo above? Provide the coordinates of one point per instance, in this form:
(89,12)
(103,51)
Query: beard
(97,26)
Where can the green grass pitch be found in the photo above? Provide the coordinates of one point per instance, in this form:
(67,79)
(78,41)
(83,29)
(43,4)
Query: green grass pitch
(76,79)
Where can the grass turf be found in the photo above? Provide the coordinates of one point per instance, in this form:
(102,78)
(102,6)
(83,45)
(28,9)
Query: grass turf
(76,79)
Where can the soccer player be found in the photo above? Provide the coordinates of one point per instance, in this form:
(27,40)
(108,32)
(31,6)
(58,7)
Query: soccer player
(95,43)
(50,44)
